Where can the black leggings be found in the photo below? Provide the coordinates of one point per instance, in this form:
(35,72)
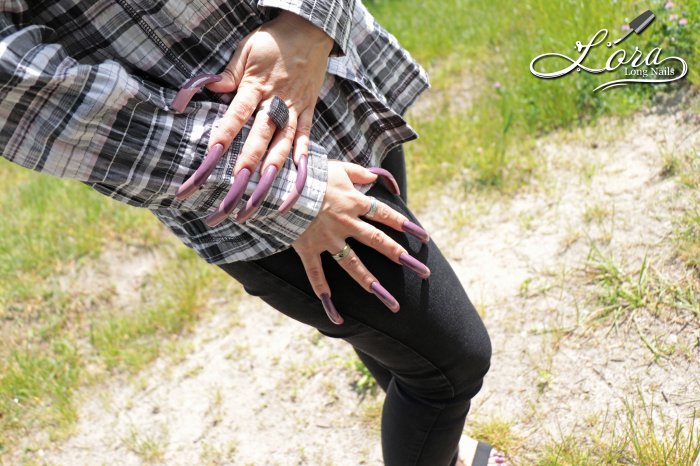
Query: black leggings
(430,358)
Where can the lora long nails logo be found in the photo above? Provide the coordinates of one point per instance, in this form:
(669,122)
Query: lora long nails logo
(639,66)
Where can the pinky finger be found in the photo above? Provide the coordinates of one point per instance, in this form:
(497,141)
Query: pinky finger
(314,270)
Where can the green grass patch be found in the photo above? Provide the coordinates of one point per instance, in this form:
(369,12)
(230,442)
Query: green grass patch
(130,340)
(688,239)
(488,143)
(49,223)
(620,292)
(56,338)
(640,435)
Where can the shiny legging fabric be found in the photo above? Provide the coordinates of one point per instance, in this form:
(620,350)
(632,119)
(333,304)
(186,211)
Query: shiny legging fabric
(430,358)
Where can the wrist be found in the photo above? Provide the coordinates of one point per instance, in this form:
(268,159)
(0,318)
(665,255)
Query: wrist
(316,37)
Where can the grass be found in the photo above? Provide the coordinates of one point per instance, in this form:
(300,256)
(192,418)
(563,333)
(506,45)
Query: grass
(149,446)
(58,339)
(364,382)
(687,239)
(620,293)
(489,143)
(637,436)
(49,225)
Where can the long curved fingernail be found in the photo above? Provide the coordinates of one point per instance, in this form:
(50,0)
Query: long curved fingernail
(384,296)
(200,176)
(231,200)
(330,309)
(414,264)
(258,195)
(190,88)
(413,229)
(298,186)
(388,177)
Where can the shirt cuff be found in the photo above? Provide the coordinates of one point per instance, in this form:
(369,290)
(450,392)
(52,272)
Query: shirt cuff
(288,227)
(334,17)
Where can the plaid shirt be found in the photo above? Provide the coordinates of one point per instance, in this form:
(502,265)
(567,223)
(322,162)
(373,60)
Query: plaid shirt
(85,87)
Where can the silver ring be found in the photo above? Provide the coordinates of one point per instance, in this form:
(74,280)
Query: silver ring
(345,252)
(373,207)
(278,112)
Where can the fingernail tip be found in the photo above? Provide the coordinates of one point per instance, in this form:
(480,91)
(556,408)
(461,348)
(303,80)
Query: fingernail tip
(182,195)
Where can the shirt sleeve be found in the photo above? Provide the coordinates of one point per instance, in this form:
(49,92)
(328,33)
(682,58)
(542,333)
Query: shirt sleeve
(98,124)
(333,16)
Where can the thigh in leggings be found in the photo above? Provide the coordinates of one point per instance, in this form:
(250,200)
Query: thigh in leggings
(436,346)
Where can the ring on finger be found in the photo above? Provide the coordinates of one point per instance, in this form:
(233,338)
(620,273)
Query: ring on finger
(343,253)
(278,112)
(373,207)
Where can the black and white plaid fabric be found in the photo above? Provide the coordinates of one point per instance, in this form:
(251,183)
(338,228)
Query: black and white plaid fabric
(85,87)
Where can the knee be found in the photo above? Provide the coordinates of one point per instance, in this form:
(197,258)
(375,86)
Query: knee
(469,364)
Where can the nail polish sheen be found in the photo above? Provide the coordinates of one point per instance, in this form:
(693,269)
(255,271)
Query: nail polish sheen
(384,296)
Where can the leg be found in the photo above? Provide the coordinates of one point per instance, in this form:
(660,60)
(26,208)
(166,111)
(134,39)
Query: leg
(395,162)
(436,347)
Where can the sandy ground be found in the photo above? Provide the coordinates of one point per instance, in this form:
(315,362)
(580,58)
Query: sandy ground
(251,387)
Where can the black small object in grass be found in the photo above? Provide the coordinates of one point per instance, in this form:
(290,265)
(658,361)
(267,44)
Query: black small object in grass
(278,112)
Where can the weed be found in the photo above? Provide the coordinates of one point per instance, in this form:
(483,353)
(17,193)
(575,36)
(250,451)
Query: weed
(497,432)
(364,380)
(150,447)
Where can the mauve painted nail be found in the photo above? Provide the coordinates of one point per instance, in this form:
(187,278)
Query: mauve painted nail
(414,264)
(298,185)
(231,200)
(413,229)
(190,88)
(200,176)
(388,177)
(330,309)
(384,296)
(258,195)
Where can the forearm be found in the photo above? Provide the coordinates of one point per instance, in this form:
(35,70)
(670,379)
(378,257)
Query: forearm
(100,125)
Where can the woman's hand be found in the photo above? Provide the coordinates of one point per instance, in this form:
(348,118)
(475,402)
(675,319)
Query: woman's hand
(338,219)
(285,57)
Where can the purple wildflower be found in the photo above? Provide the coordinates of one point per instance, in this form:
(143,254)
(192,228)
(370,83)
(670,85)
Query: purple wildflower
(683,22)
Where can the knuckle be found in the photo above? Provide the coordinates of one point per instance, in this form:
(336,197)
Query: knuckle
(303,127)
(289,131)
(315,275)
(241,112)
(377,237)
(383,213)
(228,132)
(353,262)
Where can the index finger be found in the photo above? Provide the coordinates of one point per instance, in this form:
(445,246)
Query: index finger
(237,115)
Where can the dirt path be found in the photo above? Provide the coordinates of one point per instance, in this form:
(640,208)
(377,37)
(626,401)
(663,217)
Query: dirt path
(256,388)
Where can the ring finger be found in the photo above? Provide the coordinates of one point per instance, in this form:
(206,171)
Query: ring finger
(357,270)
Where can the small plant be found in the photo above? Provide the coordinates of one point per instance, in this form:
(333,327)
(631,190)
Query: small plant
(619,293)
(150,447)
(364,382)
